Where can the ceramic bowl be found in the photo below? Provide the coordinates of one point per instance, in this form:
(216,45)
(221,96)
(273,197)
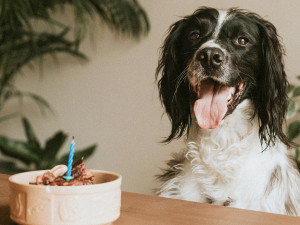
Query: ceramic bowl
(64,205)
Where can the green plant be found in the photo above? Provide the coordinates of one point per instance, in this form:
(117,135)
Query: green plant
(293,128)
(32,156)
(24,43)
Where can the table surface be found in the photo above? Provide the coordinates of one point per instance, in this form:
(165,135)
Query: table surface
(139,209)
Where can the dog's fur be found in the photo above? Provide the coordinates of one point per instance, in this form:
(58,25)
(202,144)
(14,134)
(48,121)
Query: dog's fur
(243,160)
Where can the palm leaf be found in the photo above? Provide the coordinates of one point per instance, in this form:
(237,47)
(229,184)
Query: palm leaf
(293,130)
(21,43)
(53,145)
(85,153)
(18,150)
(9,116)
(289,88)
(296,92)
(31,137)
(42,103)
(9,167)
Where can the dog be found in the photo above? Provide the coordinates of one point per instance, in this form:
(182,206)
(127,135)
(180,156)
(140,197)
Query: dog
(222,82)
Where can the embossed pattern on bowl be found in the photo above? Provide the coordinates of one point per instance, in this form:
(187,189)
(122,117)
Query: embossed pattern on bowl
(64,205)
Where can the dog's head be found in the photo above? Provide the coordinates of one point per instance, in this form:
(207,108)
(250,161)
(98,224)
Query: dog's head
(212,60)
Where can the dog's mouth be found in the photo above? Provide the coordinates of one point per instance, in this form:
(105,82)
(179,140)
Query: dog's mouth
(214,101)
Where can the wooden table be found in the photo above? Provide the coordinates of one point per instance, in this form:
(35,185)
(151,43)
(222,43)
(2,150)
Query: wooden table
(138,209)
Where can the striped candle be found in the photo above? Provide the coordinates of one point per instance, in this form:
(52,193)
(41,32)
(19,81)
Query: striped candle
(68,177)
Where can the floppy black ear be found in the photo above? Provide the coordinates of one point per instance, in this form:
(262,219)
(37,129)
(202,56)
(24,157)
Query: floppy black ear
(173,84)
(271,99)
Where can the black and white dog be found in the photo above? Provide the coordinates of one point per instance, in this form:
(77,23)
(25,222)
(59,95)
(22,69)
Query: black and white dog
(223,84)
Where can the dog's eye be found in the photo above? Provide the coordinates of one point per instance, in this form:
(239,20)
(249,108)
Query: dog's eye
(242,41)
(194,36)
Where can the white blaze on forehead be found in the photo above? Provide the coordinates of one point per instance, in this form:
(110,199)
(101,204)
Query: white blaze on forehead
(221,19)
(212,42)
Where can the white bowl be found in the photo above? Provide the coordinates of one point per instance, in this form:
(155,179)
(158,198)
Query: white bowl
(65,205)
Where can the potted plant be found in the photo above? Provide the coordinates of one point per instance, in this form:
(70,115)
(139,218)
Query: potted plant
(22,43)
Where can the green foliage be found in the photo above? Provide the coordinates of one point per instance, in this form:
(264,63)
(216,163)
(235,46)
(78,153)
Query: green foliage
(293,128)
(297,157)
(32,156)
(28,32)
(24,37)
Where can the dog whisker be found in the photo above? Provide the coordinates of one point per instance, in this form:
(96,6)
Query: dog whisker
(180,79)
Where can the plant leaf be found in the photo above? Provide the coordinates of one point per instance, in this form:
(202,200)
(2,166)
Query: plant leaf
(9,167)
(31,137)
(289,88)
(293,130)
(18,149)
(9,116)
(41,102)
(123,17)
(297,154)
(53,145)
(85,153)
(292,108)
(296,92)
(297,159)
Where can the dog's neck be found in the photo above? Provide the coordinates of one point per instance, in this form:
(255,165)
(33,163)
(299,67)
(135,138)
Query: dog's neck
(221,149)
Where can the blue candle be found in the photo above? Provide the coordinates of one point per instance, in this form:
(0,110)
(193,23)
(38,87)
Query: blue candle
(70,161)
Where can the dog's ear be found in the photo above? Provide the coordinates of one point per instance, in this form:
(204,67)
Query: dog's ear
(173,84)
(271,99)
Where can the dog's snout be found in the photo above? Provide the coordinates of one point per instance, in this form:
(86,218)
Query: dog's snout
(211,57)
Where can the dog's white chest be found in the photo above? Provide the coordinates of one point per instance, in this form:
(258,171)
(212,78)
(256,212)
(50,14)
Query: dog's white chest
(228,166)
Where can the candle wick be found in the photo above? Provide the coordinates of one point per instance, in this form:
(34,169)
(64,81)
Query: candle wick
(73,137)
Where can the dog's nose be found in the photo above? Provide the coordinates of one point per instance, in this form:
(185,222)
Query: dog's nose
(211,57)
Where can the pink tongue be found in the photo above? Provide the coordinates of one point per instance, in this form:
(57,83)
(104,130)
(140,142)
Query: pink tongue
(211,108)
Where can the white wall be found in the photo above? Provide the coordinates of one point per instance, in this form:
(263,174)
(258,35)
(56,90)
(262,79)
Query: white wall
(112,100)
